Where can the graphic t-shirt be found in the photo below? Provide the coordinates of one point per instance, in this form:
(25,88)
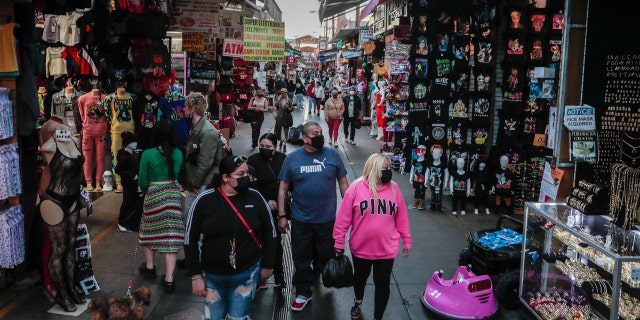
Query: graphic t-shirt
(120,112)
(173,110)
(460,180)
(145,110)
(419,170)
(92,112)
(313,177)
(436,174)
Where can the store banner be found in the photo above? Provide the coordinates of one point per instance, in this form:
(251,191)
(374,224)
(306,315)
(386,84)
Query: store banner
(232,48)
(263,40)
(196,16)
(366,33)
(193,41)
(580,118)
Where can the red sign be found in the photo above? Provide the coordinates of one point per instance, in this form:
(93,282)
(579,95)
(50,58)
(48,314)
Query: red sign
(232,48)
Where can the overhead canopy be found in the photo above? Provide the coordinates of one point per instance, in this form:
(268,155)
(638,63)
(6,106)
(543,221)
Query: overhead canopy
(350,54)
(330,8)
(344,34)
(370,7)
(250,5)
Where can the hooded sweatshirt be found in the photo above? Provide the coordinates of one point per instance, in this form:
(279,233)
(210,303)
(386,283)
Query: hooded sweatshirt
(376,225)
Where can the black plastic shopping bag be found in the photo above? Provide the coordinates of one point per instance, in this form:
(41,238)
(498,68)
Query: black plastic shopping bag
(338,272)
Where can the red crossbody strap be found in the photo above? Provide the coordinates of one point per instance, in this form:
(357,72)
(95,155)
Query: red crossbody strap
(244,222)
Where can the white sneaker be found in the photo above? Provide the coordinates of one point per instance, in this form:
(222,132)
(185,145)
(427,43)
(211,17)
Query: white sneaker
(475,211)
(487,211)
(352,142)
(462,213)
(454,213)
(299,303)
(123,229)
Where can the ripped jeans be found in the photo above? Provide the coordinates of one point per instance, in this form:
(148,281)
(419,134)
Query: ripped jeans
(234,294)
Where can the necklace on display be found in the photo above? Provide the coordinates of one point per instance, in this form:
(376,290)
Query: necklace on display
(633,159)
(626,135)
(631,146)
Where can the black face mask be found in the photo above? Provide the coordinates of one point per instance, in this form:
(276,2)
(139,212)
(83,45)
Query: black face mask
(266,153)
(385,176)
(243,184)
(317,141)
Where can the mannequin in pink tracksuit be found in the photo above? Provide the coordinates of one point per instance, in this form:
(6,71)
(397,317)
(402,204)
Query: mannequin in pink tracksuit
(377,215)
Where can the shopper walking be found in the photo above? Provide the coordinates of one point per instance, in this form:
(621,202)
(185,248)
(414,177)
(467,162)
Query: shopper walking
(312,171)
(282,114)
(267,164)
(375,210)
(300,92)
(162,229)
(353,109)
(318,93)
(258,105)
(333,115)
(291,87)
(238,243)
(311,95)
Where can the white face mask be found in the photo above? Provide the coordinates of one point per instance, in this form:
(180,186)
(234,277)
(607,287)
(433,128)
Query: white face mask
(352,92)
(132,145)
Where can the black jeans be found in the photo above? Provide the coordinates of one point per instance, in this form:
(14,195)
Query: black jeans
(349,122)
(255,132)
(418,190)
(381,278)
(309,241)
(481,198)
(458,197)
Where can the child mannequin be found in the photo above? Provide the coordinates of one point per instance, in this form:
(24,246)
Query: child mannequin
(380,108)
(481,186)
(372,103)
(128,167)
(460,186)
(417,178)
(502,178)
(437,174)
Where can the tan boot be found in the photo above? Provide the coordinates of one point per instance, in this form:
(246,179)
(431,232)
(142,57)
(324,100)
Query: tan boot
(414,205)
(421,205)
(89,187)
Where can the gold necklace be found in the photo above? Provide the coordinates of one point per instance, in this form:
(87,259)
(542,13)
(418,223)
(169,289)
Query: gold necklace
(631,146)
(633,159)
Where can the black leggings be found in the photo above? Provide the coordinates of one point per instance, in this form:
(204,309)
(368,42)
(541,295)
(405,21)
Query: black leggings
(381,278)
(255,131)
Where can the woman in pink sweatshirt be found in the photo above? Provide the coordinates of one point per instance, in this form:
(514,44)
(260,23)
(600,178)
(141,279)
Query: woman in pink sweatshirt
(374,208)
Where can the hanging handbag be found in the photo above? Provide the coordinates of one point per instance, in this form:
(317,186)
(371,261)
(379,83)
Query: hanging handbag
(244,222)
(358,123)
(338,272)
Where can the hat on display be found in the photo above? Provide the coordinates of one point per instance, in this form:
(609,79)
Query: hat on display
(127,138)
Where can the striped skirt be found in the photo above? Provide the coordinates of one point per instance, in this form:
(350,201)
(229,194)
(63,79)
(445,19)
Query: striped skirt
(162,228)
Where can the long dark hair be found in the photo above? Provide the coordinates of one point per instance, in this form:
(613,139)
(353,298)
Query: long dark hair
(164,137)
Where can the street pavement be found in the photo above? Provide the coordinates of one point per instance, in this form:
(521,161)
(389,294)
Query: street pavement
(437,240)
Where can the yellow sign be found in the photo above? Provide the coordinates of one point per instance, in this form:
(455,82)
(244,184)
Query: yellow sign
(193,41)
(540,140)
(263,40)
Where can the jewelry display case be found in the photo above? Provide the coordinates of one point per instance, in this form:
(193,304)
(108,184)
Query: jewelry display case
(581,266)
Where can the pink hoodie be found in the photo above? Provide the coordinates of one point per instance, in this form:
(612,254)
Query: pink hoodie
(375,234)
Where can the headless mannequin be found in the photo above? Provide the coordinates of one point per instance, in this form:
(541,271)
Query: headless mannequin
(94,129)
(417,178)
(502,178)
(437,174)
(460,186)
(116,140)
(481,186)
(60,206)
(69,93)
(42,97)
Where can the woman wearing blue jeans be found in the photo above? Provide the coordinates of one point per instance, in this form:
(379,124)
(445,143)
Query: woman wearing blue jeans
(300,92)
(228,265)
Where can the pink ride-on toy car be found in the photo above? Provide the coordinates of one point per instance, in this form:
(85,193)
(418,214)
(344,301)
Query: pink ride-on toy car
(465,296)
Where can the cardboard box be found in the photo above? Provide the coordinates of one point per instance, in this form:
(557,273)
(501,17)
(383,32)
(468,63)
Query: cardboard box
(225,133)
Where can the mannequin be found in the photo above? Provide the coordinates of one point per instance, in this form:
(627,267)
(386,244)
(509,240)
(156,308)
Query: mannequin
(437,174)
(417,178)
(94,131)
(460,186)
(60,206)
(481,186)
(502,178)
(119,109)
(380,108)
(372,103)
(65,105)
(42,101)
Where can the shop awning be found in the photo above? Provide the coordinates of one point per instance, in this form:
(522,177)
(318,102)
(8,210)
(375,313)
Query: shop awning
(370,7)
(250,5)
(344,34)
(330,8)
(350,54)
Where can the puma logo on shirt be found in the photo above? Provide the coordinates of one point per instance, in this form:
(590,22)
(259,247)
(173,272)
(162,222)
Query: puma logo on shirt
(317,167)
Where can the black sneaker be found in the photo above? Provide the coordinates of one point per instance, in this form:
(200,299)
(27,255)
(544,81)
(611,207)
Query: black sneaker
(355,310)
(148,274)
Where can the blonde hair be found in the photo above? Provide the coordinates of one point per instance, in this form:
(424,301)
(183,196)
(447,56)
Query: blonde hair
(197,101)
(372,172)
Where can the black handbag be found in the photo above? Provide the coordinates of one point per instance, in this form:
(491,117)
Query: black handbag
(288,118)
(248,116)
(338,272)
(358,123)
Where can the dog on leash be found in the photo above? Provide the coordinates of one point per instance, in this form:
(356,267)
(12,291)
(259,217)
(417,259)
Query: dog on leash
(126,308)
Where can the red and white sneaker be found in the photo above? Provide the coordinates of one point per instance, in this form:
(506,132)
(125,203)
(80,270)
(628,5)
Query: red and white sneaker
(300,303)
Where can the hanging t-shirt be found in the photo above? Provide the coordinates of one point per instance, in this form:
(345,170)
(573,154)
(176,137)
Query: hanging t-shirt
(172,109)
(145,110)
(459,133)
(439,109)
(460,106)
(158,85)
(92,112)
(79,62)
(69,33)
(481,110)
(51,30)
(119,110)
(8,50)
(56,64)
(39,58)
(92,27)
(156,24)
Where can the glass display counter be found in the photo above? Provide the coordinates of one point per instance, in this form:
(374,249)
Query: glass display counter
(581,266)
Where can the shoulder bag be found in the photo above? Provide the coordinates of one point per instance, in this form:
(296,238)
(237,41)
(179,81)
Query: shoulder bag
(244,222)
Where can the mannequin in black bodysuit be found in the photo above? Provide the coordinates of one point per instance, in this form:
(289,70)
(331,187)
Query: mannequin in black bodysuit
(60,206)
